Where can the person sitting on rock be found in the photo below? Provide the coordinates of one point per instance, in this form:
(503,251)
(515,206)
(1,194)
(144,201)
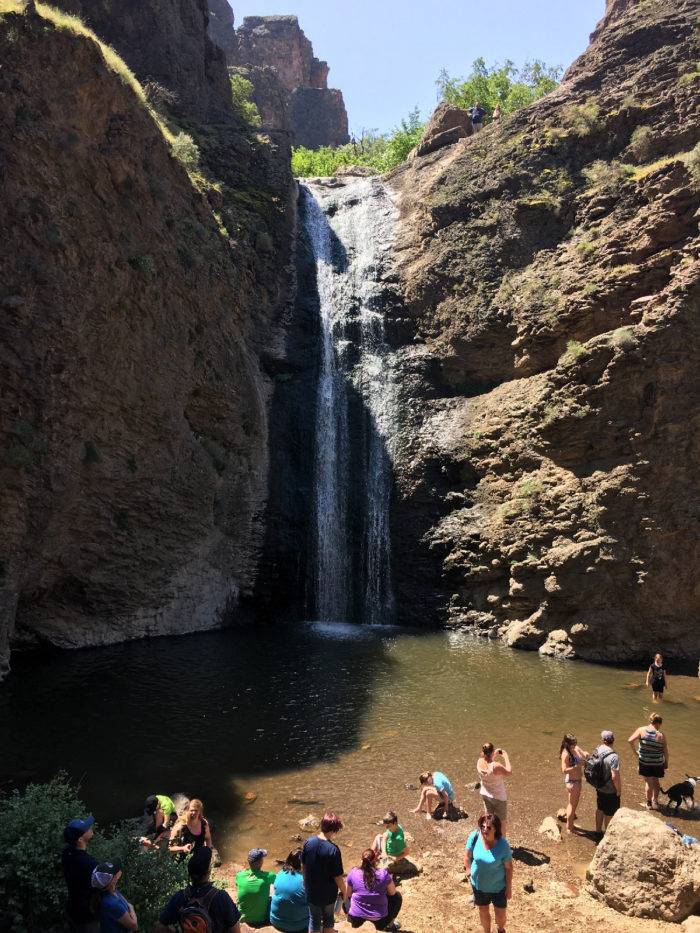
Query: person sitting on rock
(199,896)
(253,890)
(390,844)
(372,894)
(191,831)
(436,792)
(160,815)
(289,910)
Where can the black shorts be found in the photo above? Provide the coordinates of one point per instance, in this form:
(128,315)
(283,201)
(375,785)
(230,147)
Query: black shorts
(484,898)
(609,804)
(657,688)
(656,771)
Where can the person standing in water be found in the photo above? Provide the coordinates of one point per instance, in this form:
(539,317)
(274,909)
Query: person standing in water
(493,788)
(652,752)
(572,758)
(656,678)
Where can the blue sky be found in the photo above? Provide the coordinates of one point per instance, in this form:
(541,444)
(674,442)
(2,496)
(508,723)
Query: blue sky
(385,55)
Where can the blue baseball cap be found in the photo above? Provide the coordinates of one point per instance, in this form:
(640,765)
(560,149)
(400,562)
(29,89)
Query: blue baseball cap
(75,829)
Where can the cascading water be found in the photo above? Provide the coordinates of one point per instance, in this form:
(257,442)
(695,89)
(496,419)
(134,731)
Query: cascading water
(350,231)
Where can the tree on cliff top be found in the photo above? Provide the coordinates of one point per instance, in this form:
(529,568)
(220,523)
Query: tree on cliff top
(504,84)
(381,152)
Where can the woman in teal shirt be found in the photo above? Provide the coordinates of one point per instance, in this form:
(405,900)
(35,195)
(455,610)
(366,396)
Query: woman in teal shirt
(289,910)
(489,862)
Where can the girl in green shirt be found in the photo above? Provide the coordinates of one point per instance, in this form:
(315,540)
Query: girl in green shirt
(391,844)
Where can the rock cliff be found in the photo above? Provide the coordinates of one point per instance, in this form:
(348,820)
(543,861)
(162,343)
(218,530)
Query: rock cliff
(165,41)
(136,303)
(300,100)
(547,475)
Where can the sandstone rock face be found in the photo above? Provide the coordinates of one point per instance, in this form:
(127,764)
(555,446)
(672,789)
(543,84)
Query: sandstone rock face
(314,113)
(546,472)
(165,41)
(447,125)
(642,869)
(134,412)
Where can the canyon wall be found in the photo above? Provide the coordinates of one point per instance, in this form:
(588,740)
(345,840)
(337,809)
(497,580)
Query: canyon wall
(290,84)
(546,482)
(139,312)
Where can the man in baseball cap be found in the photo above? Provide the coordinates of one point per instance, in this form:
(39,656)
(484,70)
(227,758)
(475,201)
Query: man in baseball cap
(253,888)
(608,796)
(78,866)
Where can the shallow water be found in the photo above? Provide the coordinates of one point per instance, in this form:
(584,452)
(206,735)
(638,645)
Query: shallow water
(319,715)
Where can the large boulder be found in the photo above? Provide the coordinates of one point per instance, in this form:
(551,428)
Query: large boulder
(641,868)
(447,125)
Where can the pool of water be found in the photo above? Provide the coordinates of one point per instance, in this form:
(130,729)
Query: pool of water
(318,715)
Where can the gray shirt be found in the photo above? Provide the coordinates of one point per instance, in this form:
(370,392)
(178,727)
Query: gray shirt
(612,763)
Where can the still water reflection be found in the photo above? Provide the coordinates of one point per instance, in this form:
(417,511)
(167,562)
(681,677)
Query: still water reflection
(315,715)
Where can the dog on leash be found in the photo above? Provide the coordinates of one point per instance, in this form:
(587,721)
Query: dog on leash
(682,791)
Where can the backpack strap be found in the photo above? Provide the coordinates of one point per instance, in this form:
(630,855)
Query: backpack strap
(203,900)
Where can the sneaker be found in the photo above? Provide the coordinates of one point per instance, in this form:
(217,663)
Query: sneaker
(393,926)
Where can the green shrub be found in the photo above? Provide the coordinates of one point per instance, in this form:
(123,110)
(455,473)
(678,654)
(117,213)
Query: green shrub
(574,349)
(372,150)
(692,162)
(144,264)
(607,176)
(186,150)
(241,92)
(580,118)
(31,880)
(642,143)
(507,85)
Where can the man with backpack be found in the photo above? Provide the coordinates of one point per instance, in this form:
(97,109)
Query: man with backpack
(200,907)
(602,771)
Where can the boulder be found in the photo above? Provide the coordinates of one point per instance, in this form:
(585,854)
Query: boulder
(447,125)
(691,925)
(558,645)
(310,823)
(550,828)
(641,868)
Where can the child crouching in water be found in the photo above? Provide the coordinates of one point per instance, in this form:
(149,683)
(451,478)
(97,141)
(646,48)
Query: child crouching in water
(391,844)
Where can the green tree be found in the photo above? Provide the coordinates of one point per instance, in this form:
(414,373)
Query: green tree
(507,85)
(380,152)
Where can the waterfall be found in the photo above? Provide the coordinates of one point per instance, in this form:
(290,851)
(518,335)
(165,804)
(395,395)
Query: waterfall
(350,231)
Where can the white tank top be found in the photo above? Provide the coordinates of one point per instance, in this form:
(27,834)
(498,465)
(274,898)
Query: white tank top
(492,785)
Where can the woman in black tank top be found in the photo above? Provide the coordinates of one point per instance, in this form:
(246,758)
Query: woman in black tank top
(191,831)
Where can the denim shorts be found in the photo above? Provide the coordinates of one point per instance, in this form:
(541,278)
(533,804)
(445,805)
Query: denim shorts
(321,917)
(484,898)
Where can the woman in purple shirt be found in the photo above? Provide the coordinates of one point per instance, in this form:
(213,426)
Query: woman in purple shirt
(372,894)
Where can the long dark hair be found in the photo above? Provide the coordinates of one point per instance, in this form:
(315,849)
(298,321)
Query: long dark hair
(293,861)
(566,743)
(369,858)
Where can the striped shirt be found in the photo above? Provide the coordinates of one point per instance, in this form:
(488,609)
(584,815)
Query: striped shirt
(651,750)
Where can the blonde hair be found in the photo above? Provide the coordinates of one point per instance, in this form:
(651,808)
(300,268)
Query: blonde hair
(184,813)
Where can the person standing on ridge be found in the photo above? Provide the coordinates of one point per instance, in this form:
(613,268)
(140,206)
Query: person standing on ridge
(477,114)
(653,757)
(496,114)
(656,678)
(608,793)
(493,787)
(78,866)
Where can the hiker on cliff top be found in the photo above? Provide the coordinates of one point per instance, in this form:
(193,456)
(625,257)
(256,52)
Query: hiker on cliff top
(477,114)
